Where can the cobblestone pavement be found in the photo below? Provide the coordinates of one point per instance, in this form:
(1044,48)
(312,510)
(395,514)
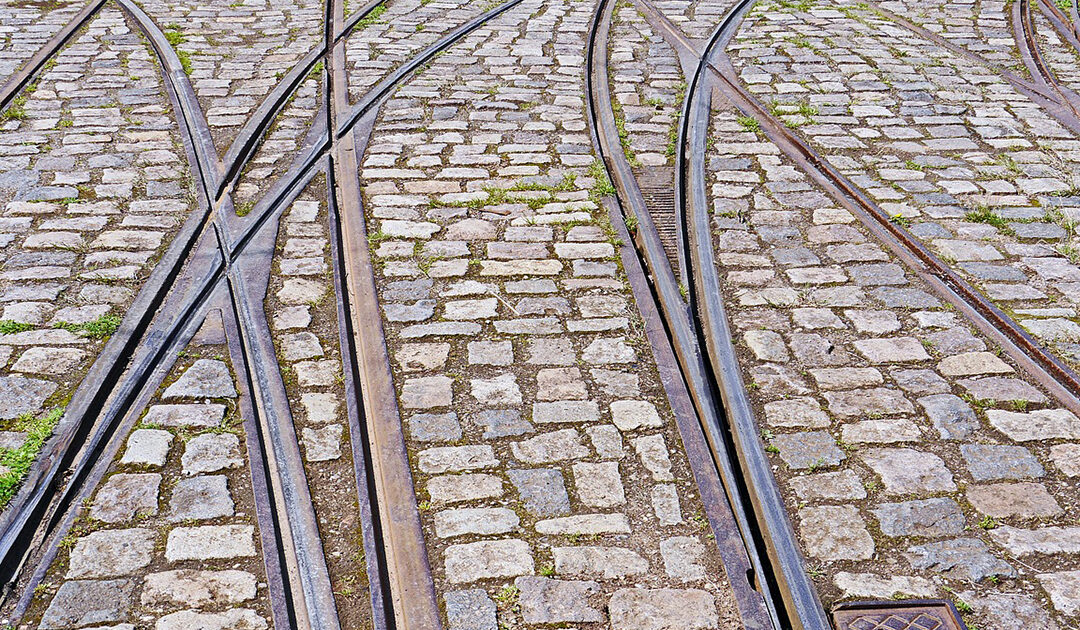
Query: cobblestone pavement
(550,475)
(26,27)
(544,454)
(170,538)
(94,187)
(915,458)
(235,53)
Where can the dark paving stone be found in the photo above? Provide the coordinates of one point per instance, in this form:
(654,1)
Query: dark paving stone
(989,462)
(470,610)
(542,490)
(960,559)
(950,415)
(928,517)
(83,602)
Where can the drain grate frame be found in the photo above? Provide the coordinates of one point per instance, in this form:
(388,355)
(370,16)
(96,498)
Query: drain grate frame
(913,614)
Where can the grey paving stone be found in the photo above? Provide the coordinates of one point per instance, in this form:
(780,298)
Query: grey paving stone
(1024,499)
(565,411)
(843,484)
(434,427)
(443,459)
(920,382)
(835,533)
(550,447)
(990,462)
(927,517)
(147,447)
(959,559)
(683,556)
(470,610)
(211,452)
(653,453)
(206,378)
(1064,590)
(483,521)
(1067,458)
(585,525)
(1009,611)
(877,401)
(631,415)
(1002,389)
(427,392)
(950,415)
(123,496)
(20,395)
(197,589)
(501,422)
(209,542)
(323,443)
(200,498)
(812,449)
(83,602)
(1041,540)
(417,357)
(599,485)
(598,562)
(908,471)
(488,559)
(879,587)
(661,609)
(110,553)
(466,487)
(544,600)
(542,491)
(184,415)
(1042,424)
(228,620)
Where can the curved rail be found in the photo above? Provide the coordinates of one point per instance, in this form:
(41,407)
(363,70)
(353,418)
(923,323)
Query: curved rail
(251,134)
(744,564)
(212,265)
(1042,94)
(788,575)
(1068,28)
(16,82)
(1028,43)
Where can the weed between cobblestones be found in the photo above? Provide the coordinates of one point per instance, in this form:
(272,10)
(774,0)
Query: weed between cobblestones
(17,461)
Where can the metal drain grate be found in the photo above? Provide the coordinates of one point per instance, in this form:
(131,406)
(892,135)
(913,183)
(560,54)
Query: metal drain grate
(657,185)
(892,615)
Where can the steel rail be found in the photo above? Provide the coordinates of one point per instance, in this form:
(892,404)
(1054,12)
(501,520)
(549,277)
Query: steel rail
(19,530)
(1069,29)
(21,78)
(251,134)
(114,396)
(1027,42)
(19,523)
(802,608)
(1050,371)
(743,563)
(246,279)
(373,533)
(382,88)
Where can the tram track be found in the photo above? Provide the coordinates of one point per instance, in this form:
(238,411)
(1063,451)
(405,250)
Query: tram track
(206,267)
(795,600)
(212,263)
